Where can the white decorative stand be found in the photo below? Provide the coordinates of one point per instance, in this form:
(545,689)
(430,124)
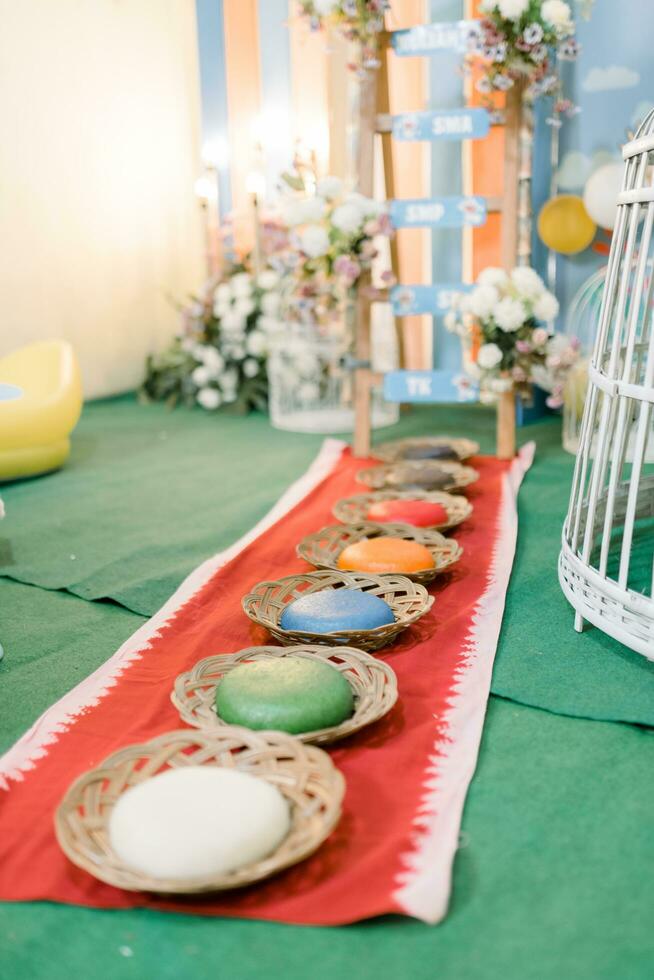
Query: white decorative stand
(606,565)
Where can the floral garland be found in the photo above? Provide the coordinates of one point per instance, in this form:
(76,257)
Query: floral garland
(219,357)
(329,246)
(506,345)
(360,21)
(522,40)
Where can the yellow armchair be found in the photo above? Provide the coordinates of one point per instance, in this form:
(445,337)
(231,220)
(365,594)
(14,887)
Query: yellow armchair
(40,403)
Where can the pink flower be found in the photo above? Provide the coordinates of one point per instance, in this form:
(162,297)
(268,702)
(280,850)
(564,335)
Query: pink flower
(347,269)
(523,346)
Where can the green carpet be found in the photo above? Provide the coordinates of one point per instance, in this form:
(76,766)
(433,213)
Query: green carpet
(550,883)
(149,494)
(551,879)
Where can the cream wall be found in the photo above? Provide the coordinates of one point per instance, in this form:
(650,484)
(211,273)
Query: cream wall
(99,137)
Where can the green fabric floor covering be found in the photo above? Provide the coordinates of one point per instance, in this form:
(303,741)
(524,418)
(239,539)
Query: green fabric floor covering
(550,882)
(148,494)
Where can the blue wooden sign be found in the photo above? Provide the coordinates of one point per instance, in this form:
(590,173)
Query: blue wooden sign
(443,124)
(410,300)
(428,38)
(429,387)
(438,212)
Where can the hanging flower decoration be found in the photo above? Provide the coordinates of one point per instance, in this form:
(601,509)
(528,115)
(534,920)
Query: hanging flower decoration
(360,21)
(508,345)
(330,244)
(522,40)
(218,359)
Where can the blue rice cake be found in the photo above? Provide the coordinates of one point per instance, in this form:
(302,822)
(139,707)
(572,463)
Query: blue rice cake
(336,609)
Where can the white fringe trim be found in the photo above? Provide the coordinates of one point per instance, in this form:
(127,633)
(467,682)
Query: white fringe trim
(33,745)
(426,884)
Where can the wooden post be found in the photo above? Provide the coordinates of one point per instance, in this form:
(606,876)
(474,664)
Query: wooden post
(365,171)
(384,109)
(509,241)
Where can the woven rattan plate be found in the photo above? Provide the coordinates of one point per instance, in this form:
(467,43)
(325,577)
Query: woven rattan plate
(408,601)
(401,475)
(353,510)
(304,774)
(322,548)
(373,684)
(390,452)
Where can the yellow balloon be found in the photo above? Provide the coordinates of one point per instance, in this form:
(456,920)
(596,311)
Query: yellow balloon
(564,224)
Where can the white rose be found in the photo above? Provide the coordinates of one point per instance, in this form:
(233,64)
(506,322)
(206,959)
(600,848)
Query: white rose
(558,14)
(512,9)
(223,293)
(527,281)
(209,398)
(201,376)
(314,241)
(293,212)
(228,381)
(212,359)
(267,279)
(546,307)
(269,324)
(347,218)
(270,303)
(487,397)
(313,209)
(489,356)
(241,284)
(243,307)
(256,343)
(233,322)
(482,301)
(330,187)
(250,367)
(510,314)
(221,309)
(492,276)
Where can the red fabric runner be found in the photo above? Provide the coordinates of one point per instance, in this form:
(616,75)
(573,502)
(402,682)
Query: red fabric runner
(393,848)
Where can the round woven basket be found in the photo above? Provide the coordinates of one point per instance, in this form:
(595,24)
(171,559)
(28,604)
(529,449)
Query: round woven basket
(304,775)
(322,548)
(408,601)
(398,475)
(353,510)
(373,684)
(390,452)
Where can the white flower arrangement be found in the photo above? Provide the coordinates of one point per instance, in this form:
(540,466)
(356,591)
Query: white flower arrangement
(505,324)
(219,358)
(329,244)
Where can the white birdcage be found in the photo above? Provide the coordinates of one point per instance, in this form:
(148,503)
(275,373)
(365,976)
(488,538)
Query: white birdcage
(581,321)
(606,563)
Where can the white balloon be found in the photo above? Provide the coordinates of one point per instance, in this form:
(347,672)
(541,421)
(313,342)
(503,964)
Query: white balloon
(197,821)
(601,194)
